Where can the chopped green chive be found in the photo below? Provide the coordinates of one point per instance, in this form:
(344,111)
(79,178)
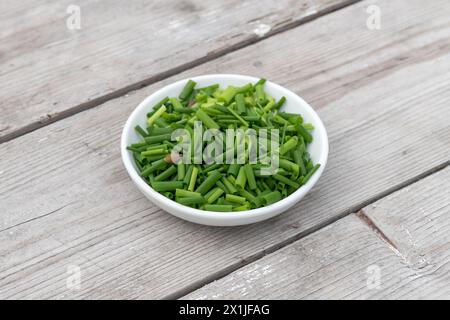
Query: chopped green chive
(233,169)
(310,173)
(141,131)
(209,182)
(287,181)
(156,115)
(166,174)
(186,193)
(162,186)
(154,166)
(272,197)
(207,121)
(245,123)
(241,179)
(229,185)
(191,200)
(193,179)
(240,103)
(181,171)
(233,198)
(218,207)
(288,145)
(241,184)
(187,90)
(158,138)
(250,176)
(215,194)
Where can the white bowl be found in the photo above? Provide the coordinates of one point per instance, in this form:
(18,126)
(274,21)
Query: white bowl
(318,150)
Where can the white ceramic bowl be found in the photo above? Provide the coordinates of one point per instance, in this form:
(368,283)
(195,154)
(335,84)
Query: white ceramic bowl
(294,104)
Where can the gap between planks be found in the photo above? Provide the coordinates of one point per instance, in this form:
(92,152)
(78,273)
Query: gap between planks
(357,208)
(168,73)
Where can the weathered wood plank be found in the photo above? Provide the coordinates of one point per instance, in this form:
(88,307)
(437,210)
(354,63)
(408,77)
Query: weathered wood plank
(76,205)
(330,263)
(49,71)
(340,261)
(417,222)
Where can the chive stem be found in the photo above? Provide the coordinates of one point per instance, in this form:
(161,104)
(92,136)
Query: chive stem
(193,179)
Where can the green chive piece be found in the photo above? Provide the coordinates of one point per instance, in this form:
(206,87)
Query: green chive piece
(240,103)
(287,181)
(157,165)
(234,169)
(272,197)
(269,106)
(166,174)
(154,131)
(242,208)
(158,139)
(259,93)
(245,88)
(289,145)
(230,186)
(207,121)
(228,94)
(280,103)
(181,171)
(245,123)
(233,198)
(304,133)
(153,152)
(310,173)
(191,200)
(250,197)
(290,166)
(193,179)
(141,131)
(162,186)
(241,179)
(222,186)
(160,103)
(187,177)
(218,207)
(215,194)
(209,182)
(176,103)
(156,115)
(250,176)
(186,193)
(187,90)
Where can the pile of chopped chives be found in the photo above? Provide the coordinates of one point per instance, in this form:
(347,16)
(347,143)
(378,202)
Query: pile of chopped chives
(223,187)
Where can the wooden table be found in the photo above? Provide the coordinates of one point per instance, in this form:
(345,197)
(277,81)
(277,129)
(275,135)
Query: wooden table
(73,225)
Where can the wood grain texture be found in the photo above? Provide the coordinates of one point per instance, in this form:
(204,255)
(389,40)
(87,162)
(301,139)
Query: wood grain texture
(331,263)
(417,221)
(49,71)
(384,104)
(338,262)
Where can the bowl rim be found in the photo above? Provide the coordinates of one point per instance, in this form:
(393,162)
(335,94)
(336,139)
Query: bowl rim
(198,214)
